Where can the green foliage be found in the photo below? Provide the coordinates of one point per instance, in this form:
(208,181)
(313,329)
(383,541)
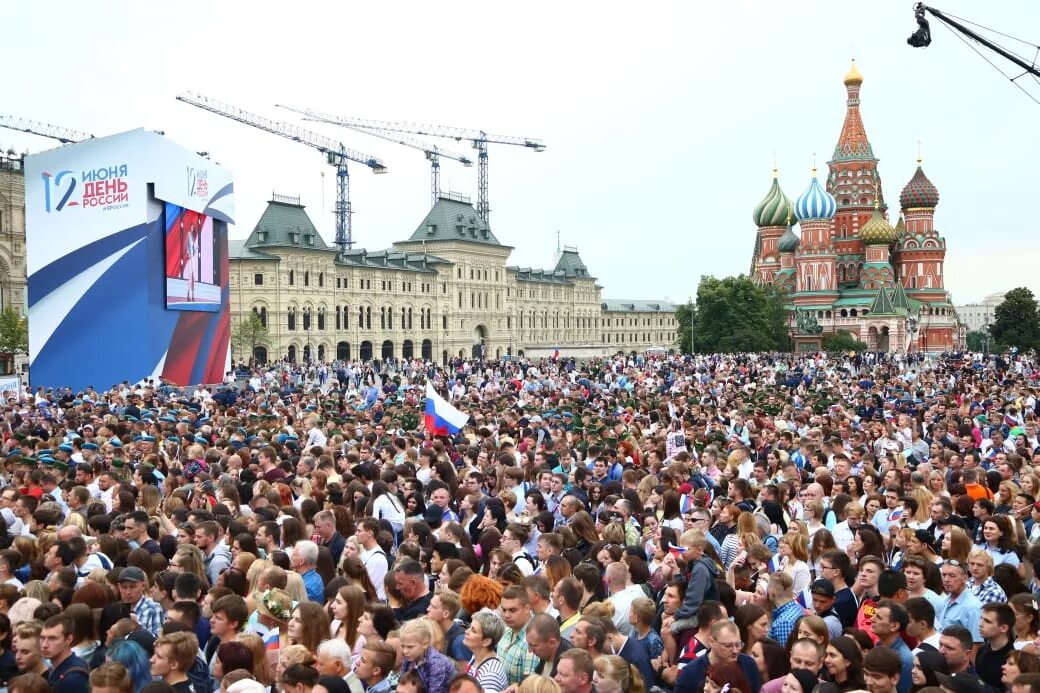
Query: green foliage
(14,332)
(1016,321)
(684,316)
(734,314)
(249,334)
(842,341)
(976,340)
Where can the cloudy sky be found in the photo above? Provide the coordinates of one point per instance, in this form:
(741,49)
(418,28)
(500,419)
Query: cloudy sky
(662,119)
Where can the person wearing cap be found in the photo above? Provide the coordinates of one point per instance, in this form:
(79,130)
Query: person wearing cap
(148,614)
(823,604)
(962,682)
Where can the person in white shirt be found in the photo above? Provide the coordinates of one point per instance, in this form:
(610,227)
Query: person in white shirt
(844,531)
(386,506)
(622,594)
(315,436)
(372,556)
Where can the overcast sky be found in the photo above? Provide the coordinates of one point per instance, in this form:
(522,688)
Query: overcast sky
(661,119)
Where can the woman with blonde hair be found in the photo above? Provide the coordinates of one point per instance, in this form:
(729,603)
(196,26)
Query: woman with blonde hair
(295,587)
(614,675)
(794,553)
(188,559)
(262,669)
(937,483)
(148,498)
(538,684)
(78,521)
(293,654)
(745,525)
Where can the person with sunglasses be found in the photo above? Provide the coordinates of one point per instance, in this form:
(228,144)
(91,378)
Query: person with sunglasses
(961,607)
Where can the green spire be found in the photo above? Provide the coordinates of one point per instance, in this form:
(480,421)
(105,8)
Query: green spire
(882,304)
(899,297)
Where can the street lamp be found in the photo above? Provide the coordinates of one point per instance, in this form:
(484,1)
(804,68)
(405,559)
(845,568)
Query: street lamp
(985,331)
(913,322)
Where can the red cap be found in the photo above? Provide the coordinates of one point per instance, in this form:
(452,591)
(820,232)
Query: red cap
(685,488)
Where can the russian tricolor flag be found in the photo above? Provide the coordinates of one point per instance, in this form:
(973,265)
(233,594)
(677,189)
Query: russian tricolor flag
(441,418)
(676,551)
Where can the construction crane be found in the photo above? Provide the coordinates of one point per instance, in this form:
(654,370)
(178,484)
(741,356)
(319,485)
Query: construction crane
(433,152)
(479,138)
(335,154)
(63,135)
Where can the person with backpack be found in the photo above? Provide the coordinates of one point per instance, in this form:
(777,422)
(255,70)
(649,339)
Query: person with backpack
(513,540)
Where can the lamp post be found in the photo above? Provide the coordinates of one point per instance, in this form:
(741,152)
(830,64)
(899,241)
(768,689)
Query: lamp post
(985,331)
(913,322)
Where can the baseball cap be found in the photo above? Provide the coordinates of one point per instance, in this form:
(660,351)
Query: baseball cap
(824,588)
(961,682)
(132,574)
(924,536)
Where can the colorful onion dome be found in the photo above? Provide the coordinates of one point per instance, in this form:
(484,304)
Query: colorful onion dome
(815,202)
(919,192)
(853,76)
(789,242)
(877,231)
(775,209)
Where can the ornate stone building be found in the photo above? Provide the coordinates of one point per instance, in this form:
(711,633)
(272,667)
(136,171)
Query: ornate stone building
(850,269)
(445,291)
(12,245)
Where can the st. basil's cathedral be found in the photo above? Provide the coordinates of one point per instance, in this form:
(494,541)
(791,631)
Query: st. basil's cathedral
(847,268)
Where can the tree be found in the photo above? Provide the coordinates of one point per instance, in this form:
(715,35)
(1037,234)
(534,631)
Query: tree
(249,334)
(1016,321)
(684,316)
(977,340)
(734,314)
(14,332)
(842,340)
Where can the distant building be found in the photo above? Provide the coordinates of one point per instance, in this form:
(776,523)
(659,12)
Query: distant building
(850,269)
(444,292)
(12,245)
(976,316)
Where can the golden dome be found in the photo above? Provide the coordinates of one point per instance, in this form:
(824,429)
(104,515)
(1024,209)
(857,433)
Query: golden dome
(853,76)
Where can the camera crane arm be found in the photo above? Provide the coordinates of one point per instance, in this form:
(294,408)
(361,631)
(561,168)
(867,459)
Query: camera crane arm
(923,36)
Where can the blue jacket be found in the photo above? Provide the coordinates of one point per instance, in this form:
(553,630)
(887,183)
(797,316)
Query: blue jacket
(693,674)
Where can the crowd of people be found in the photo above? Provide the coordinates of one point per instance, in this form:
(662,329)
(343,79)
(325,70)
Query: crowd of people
(728,523)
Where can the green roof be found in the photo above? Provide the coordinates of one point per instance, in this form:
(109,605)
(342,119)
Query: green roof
(285,223)
(454,219)
(628,306)
(882,304)
(571,264)
(899,297)
(237,250)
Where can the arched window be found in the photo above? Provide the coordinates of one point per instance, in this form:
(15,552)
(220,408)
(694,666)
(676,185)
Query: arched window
(321,318)
(306,319)
(361,316)
(382,318)
(368,317)
(321,279)
(306,278)
(292,318)
(292,277)
(390,318)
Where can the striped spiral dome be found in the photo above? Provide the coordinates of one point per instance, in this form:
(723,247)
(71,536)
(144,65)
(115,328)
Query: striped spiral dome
(815,202)
(775,209)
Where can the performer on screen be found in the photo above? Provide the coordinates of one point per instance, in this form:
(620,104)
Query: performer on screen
(192,241)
